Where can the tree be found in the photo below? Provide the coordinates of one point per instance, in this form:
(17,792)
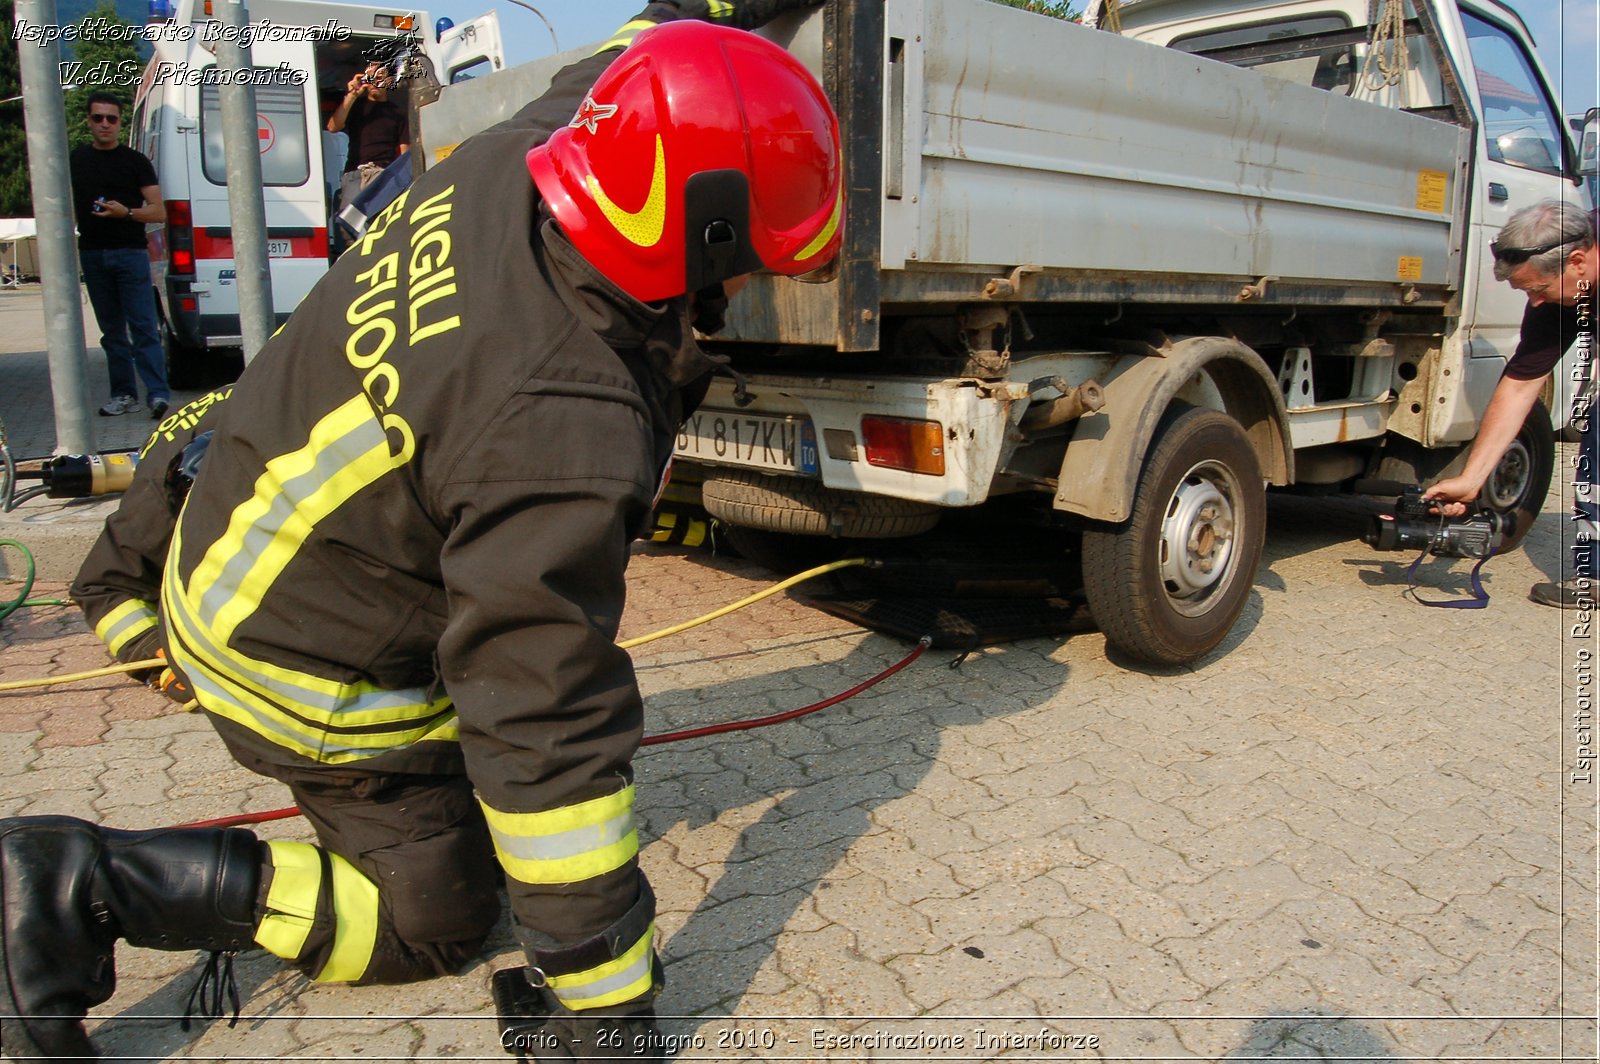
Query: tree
(108,62)
(1061,9)
(16,194)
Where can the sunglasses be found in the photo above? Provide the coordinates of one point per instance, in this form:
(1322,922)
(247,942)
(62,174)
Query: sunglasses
(1514,256)
(113,119)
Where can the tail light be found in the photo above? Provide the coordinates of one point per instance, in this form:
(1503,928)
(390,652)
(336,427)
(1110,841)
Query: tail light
(901,443)
(180,238)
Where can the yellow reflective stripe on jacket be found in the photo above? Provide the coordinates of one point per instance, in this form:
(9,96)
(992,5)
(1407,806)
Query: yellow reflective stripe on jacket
(272,701)
(611,983)
(292,910)
(315,716)
(355,912)
(625,35)
(719,9)
(125,623)
(347,451)
(291,899)
(566,845)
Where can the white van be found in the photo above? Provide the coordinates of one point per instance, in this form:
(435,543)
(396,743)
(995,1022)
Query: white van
(301,51)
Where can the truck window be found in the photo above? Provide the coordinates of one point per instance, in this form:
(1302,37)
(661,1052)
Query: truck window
(1324,68)
(285,158)
(1520,127)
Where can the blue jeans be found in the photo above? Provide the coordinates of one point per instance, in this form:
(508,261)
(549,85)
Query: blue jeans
(124,305)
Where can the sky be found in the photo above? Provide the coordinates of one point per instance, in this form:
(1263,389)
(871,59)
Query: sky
(1566,31)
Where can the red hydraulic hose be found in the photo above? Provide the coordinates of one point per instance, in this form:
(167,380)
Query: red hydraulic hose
(244,819)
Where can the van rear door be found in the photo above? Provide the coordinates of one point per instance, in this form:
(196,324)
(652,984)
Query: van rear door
(291,175)
(470,50)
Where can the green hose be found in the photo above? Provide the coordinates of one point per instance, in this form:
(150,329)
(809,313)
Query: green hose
(8,608)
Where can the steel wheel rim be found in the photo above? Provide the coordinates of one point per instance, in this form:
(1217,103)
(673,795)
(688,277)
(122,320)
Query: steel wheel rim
(1509,481)
(1199,534)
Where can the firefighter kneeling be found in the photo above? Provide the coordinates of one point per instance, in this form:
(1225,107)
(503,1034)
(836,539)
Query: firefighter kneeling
(396,583)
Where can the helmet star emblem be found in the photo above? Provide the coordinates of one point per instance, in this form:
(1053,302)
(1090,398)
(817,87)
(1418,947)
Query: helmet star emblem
(590,113)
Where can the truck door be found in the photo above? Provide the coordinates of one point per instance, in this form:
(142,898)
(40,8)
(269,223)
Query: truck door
(1523,157)
(469,50)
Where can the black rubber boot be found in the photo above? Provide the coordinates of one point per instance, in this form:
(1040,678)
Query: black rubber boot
(69,890)
(535,1026)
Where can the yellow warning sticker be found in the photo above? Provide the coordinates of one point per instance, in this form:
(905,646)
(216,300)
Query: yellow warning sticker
(1410,268)
(1430,190)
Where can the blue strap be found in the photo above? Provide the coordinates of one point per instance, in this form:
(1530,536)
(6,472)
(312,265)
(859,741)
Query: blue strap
(1479,599)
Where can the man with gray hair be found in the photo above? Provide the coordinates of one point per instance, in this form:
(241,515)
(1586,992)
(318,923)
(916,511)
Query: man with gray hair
(1546,251)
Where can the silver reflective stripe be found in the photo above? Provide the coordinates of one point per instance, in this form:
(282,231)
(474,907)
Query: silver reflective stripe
(564,844)
(404,700)
(133,624)
(578,993)
(292,493)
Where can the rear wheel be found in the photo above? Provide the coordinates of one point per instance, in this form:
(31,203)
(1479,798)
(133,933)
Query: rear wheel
(1167,585)
(185,364)
(1520,482)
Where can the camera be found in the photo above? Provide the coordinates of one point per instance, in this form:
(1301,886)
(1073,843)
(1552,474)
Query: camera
(1413,527)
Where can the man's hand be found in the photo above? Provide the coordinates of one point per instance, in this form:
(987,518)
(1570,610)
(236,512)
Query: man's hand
(741,14)
(1453,494)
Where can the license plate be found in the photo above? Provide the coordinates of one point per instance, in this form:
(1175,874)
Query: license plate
(280,249)
(786,444)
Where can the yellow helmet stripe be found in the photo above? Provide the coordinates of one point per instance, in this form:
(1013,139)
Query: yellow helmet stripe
(645,225)
(820,241)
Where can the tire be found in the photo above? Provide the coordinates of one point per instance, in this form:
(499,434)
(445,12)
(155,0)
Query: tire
(185,364)
(1520,482)
(804,507)
(1167,585)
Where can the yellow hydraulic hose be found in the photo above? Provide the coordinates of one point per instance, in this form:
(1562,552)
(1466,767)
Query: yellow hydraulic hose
(626,644)
(783,585)
(74,677)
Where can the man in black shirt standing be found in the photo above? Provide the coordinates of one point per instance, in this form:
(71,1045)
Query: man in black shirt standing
(377,128)
(1546,251)
(114,194)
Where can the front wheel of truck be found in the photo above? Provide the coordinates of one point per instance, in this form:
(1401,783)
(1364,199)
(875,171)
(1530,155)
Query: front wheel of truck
(1521,479)
(1167,585)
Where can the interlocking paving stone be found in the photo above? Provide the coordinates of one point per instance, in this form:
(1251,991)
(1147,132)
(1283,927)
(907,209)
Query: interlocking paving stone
(1349,833)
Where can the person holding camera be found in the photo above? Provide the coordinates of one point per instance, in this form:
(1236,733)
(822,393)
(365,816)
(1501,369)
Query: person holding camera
(378,130)
(1546,251)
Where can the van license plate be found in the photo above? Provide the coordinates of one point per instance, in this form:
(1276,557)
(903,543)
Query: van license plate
(280,249)
(785,444)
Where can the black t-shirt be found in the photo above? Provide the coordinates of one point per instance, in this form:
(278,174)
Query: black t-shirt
(115,174)
(376,131)
(1547,331)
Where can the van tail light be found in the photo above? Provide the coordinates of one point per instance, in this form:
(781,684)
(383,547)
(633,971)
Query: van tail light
(902,443)
(180,238)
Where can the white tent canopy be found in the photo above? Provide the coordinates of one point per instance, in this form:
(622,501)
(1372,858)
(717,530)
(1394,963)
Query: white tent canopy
(19,250)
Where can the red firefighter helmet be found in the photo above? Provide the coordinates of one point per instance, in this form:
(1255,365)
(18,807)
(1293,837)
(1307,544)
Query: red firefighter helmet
(701,153)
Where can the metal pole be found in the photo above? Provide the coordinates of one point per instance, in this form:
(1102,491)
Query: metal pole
(44,110)
(241,153)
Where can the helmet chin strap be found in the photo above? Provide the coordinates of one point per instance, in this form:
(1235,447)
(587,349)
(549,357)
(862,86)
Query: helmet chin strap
(710,308)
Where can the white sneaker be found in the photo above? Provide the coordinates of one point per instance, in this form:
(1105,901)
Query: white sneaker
(119,404)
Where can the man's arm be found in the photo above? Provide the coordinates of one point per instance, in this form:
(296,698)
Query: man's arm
(352,93)
(1508,409)
(154,209)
